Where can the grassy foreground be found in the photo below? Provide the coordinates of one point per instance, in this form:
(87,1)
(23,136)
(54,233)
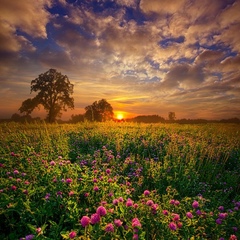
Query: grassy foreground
(119,181)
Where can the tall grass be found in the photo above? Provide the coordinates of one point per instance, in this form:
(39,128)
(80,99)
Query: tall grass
(53,175)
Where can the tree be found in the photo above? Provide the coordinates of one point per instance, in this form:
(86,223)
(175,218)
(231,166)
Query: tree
(54,90)
(99,111)
(171,116)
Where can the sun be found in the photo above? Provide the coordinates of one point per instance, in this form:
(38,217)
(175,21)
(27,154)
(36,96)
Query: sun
(119,116)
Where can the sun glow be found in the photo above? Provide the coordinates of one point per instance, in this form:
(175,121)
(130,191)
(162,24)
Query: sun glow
(120,116)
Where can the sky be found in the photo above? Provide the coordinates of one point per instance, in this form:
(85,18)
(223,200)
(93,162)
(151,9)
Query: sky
(143,56)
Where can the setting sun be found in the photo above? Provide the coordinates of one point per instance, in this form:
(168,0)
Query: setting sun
(119,116)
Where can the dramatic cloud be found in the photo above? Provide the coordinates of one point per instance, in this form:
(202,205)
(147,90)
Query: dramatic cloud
(143,56)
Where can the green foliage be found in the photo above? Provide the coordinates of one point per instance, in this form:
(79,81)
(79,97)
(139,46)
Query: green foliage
(157,181)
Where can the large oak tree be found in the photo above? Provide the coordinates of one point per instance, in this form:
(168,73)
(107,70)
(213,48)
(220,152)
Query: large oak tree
(53,93)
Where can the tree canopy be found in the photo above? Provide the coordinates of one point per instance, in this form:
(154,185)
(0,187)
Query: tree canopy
(53,93)
(99,111)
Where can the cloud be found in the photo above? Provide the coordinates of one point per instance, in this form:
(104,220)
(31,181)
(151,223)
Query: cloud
(182,76)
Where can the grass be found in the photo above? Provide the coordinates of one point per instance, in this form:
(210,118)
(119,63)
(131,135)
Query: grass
(119,181)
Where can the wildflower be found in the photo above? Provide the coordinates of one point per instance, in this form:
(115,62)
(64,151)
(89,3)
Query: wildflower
(135,236)
(26,182)
(29,237)
(38,230)
(115,201)
(108,171)
(198,212)
(172,226)
(176,217)
(176,202)
(135,205)
(120,199)
(189,215)
(47,196)
(195,204)
(118,222)
(149,202)
(179,224)
(172,201)
(95,218)
(15,172)
(101,211)
(86,194)
(52,163)
(109,227)
(95,180)
(72,234)
(13,187)
(68,180)
(25,192)
(146,192)
(96,188)
(222,215)
(221,208)
(219,221)
(129,202)
(233,237)
(136,223)
(71,193)
(234,229)
(85,220)
(165,212)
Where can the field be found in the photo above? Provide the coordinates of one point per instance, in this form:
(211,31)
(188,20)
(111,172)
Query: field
(119,181)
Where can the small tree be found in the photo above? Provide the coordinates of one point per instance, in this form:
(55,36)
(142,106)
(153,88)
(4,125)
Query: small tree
(54,90)
(171,116)
(99,111)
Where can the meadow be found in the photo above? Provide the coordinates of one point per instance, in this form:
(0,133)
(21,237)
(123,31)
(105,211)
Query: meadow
(119,181)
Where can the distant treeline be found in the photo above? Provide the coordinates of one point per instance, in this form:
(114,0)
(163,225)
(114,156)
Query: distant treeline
(138,119)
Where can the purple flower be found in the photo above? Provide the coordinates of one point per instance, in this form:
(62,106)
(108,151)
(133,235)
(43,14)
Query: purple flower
(72,234)
(129,202)
(172,201)
(176,217)
(52,163)
(198,212)
(219,221)
(146,192)
(176,202)
(118,222)
(222,215)
(165,212)
(135,236)
(189,215)
(136,223)
(85,220)
(115,201)
(95,218)
(149,202)
(195,204)
(172,226)
(96,188)
(109,227)
(16,171)
(235,229)
(221,208)
(29,237)
(101,211)
(108,171)
(68,180)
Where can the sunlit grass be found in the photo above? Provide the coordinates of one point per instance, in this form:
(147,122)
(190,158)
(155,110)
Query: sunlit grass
(147,178)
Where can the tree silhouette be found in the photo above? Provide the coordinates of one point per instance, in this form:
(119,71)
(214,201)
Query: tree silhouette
(171,116)
(54,90)
(99,111)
